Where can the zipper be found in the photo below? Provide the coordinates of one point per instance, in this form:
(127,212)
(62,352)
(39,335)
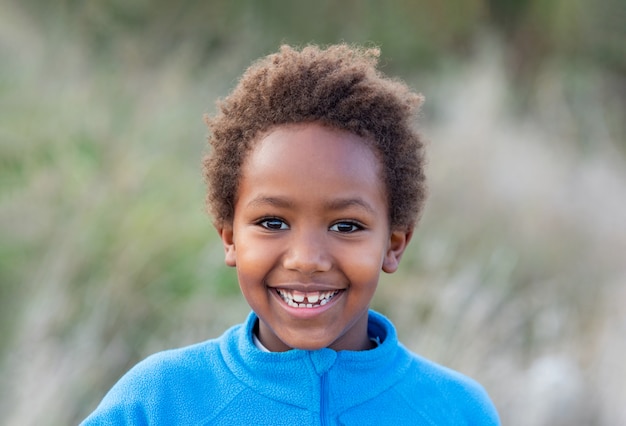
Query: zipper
(324,400)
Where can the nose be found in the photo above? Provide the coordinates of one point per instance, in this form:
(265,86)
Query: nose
(308,253)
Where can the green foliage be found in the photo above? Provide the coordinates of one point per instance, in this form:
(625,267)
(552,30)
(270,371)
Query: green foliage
(414,34)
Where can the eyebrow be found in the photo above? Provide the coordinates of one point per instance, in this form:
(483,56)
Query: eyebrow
(262,200)
(336,205)
(344,203)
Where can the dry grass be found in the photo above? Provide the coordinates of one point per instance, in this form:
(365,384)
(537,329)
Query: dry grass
(517,271)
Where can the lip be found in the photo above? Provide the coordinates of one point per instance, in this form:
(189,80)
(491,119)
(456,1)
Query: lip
(307,313)
(306,287)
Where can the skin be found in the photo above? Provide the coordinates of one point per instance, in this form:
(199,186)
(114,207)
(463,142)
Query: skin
(311,215)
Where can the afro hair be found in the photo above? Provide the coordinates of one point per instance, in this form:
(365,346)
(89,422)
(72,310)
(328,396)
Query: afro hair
(339,87)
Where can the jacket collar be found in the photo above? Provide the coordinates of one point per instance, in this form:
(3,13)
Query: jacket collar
(294,377)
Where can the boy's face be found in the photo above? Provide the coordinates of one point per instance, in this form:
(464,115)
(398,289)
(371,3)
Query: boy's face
(310,236)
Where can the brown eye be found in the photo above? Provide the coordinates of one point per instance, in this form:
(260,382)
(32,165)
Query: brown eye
(273,224)
(346,227)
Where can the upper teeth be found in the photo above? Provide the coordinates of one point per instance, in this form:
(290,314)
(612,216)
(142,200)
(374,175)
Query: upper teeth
(297,298)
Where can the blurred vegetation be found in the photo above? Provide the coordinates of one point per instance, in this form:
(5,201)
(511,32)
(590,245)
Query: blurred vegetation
(106,254)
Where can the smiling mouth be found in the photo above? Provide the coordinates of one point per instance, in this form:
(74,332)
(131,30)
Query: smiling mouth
(310,299)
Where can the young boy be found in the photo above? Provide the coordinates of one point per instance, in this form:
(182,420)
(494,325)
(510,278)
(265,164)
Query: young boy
(315,184)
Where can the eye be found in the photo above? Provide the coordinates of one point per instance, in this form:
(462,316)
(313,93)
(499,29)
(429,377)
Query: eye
(346,227)
(273,224)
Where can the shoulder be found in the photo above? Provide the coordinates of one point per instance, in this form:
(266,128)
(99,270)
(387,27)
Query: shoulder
(167,368)
(422,389)
(448,393)
(168,385)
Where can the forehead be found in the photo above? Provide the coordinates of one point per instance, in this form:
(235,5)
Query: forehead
(313,157)
(314,144)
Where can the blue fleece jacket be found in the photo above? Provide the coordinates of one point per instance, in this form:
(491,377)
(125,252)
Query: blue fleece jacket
(229,381)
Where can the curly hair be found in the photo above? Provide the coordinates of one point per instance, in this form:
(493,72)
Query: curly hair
(338,87)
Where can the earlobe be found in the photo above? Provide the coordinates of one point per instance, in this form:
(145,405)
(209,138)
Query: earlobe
(227,236)
(398,242)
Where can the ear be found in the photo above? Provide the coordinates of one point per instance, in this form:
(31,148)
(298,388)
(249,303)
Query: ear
(227,236)
(398,240)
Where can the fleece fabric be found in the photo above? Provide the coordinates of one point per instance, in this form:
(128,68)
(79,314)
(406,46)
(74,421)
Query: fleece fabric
(229,381)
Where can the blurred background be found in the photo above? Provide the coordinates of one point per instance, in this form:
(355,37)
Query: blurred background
(516,275)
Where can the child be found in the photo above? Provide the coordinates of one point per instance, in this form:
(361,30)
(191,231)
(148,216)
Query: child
(315,184)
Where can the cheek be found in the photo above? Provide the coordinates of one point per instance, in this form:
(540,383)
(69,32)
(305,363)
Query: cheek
(254,263)
(363,265)
(251,283)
